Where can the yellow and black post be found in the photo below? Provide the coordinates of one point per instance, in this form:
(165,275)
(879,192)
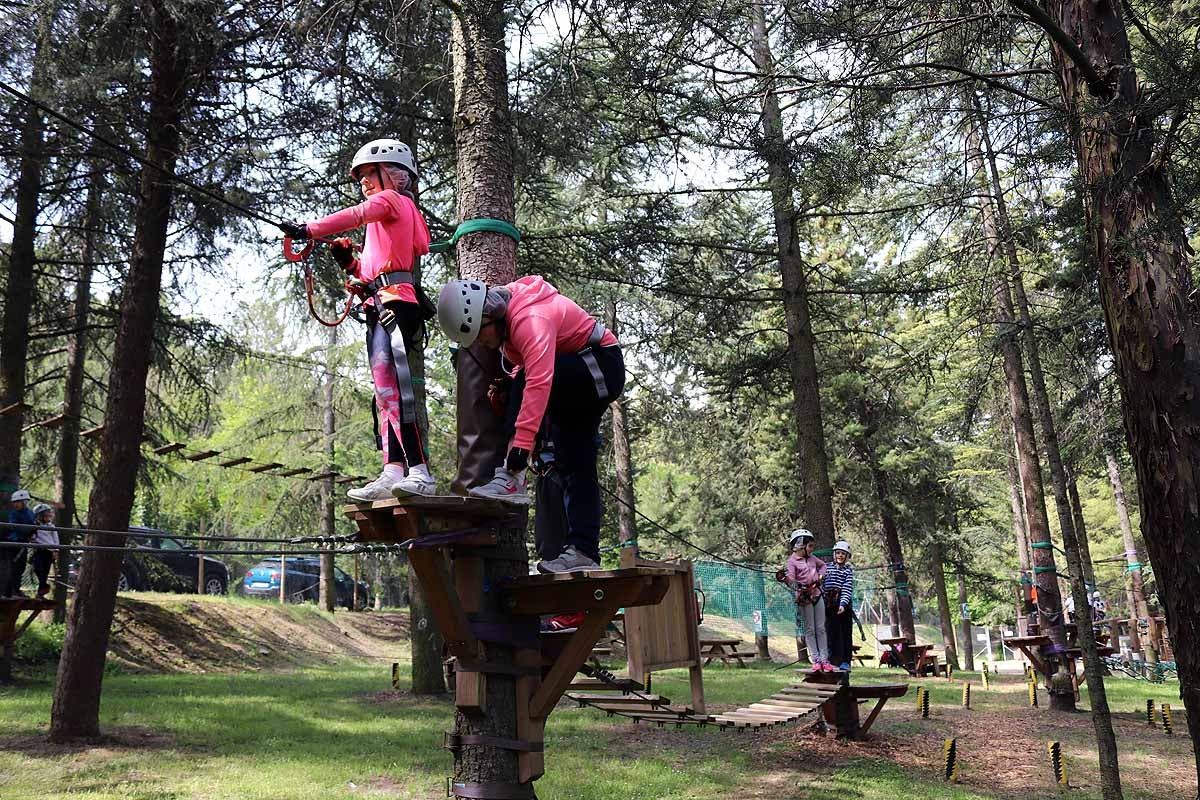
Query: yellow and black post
(920,691)
(966,700)
(986,678)
(924,703)
(1056,763)
(395,675)
(1150,712)
(950,754)
(1166,712)
(1033,693)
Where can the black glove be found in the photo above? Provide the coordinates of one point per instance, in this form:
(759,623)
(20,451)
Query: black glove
(517,460)
(293,230)
(343,253)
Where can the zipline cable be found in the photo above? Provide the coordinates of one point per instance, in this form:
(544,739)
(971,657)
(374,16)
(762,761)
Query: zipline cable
(92,548)
(144,534)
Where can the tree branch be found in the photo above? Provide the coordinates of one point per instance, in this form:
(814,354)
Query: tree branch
(1040,18)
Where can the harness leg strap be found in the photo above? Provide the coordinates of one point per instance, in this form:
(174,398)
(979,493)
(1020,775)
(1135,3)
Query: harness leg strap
(408,398)
(588,355)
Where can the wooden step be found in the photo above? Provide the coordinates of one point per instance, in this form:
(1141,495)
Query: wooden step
(649,708)
(585,591)
(629,699)
(623,685)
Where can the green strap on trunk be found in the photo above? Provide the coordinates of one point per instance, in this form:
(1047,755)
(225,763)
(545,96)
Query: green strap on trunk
(479,225)
(1042,545)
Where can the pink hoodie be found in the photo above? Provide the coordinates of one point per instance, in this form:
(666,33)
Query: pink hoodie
(804,571)
(396,236)
(541,323)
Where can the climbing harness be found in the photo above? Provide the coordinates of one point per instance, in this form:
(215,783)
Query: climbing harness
(588,354)
(294,256)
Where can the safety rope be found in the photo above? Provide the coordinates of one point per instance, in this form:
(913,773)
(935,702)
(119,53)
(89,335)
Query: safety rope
(477,225)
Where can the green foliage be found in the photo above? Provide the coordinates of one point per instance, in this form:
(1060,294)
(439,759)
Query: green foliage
(41,643)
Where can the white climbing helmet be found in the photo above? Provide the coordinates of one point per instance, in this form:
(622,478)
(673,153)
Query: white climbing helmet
(40,509)
(19,494)
(460,310)
(385,151)
(844,546)
(799,535)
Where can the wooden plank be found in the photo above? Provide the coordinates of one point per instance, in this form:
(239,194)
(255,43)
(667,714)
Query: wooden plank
(443,505)
(170,447)
(873,690)
(13,408)
(202,455)
(50,422)
(627,699)
(635,707)
(293,472)
(233,462)
(321,476)
(431,570)
(870,720)
(91,432)
(266,467)
(530,766)
(587,591)
(470,688)
(568,663)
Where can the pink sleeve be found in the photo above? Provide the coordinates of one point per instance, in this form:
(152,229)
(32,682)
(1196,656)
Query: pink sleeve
(534,338)
(792,577)
(373,209)
(820,569)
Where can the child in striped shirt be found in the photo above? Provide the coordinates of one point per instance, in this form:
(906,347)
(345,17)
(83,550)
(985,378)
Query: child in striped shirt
(838,589)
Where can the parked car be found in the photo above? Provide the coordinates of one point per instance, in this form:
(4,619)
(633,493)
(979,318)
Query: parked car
(164,564)
(303,577)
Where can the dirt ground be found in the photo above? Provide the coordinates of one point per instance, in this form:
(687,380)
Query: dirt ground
(173,633)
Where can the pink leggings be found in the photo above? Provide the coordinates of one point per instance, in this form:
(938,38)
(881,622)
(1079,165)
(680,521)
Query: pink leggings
(400,434)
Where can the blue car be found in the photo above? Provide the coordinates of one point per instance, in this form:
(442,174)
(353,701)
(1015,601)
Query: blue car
(303,582)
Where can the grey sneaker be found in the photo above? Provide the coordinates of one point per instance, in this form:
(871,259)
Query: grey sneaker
(378,489)
(507,487)
(571,560)
(414,483)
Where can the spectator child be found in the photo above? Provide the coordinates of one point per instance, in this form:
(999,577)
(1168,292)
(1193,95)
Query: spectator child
(43,558)
(19,512)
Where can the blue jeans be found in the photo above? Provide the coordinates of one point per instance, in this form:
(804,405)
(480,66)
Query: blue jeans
(573,414)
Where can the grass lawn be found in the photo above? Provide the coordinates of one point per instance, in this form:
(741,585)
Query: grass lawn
(340,731)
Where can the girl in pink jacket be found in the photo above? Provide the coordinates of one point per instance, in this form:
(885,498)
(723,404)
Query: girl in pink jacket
(396,238)
(567,368)
(804,575)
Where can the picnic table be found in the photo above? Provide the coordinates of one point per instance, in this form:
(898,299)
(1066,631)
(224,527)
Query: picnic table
(916,659)
(724,649)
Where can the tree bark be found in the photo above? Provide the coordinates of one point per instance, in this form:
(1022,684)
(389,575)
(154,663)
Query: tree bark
(1146,289)
(1139,609)
(801,352)
(328,586)
(622,456)
(1050,616)
(902,613)
(968,641)
(76,706)
(67,455)
(1081,534)
(938,573)
(1021,535)
(483,144)
(20,280)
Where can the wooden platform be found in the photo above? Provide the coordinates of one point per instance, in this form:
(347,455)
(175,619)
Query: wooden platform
(399,520)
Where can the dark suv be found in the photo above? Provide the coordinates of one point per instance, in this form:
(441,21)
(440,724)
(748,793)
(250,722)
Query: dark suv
(163,564)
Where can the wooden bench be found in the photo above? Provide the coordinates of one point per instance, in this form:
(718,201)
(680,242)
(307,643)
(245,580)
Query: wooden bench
(724,649)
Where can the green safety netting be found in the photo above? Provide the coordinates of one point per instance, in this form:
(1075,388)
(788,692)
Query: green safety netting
(756,599)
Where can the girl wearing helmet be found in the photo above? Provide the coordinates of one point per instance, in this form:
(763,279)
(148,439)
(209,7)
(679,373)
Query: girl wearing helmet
(396,238)
(566,367)
(18,513)
(839,606)
(43,558)
(804,575)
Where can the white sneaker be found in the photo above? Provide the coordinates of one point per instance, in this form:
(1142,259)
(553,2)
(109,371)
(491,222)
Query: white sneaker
(571,560)
(507,487)
(419,483)
(378,489)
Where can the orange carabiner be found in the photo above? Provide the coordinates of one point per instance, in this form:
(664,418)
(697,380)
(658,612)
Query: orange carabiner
(295,256)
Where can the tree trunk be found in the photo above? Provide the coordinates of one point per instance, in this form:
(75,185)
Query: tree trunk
(1139,609)
(428,677)
(1081,534)
(801,352)
(328,586)
(622,456)
(483,144)
(903,612)
(893,610)
(938,573)
(76,707)
(1050,617)
(19,282)
(67,455)
(968,640)
(1021,535)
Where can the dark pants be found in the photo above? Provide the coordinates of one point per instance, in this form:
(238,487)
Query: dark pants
(17,572)
(574,412)
(839,630)
(42,559)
